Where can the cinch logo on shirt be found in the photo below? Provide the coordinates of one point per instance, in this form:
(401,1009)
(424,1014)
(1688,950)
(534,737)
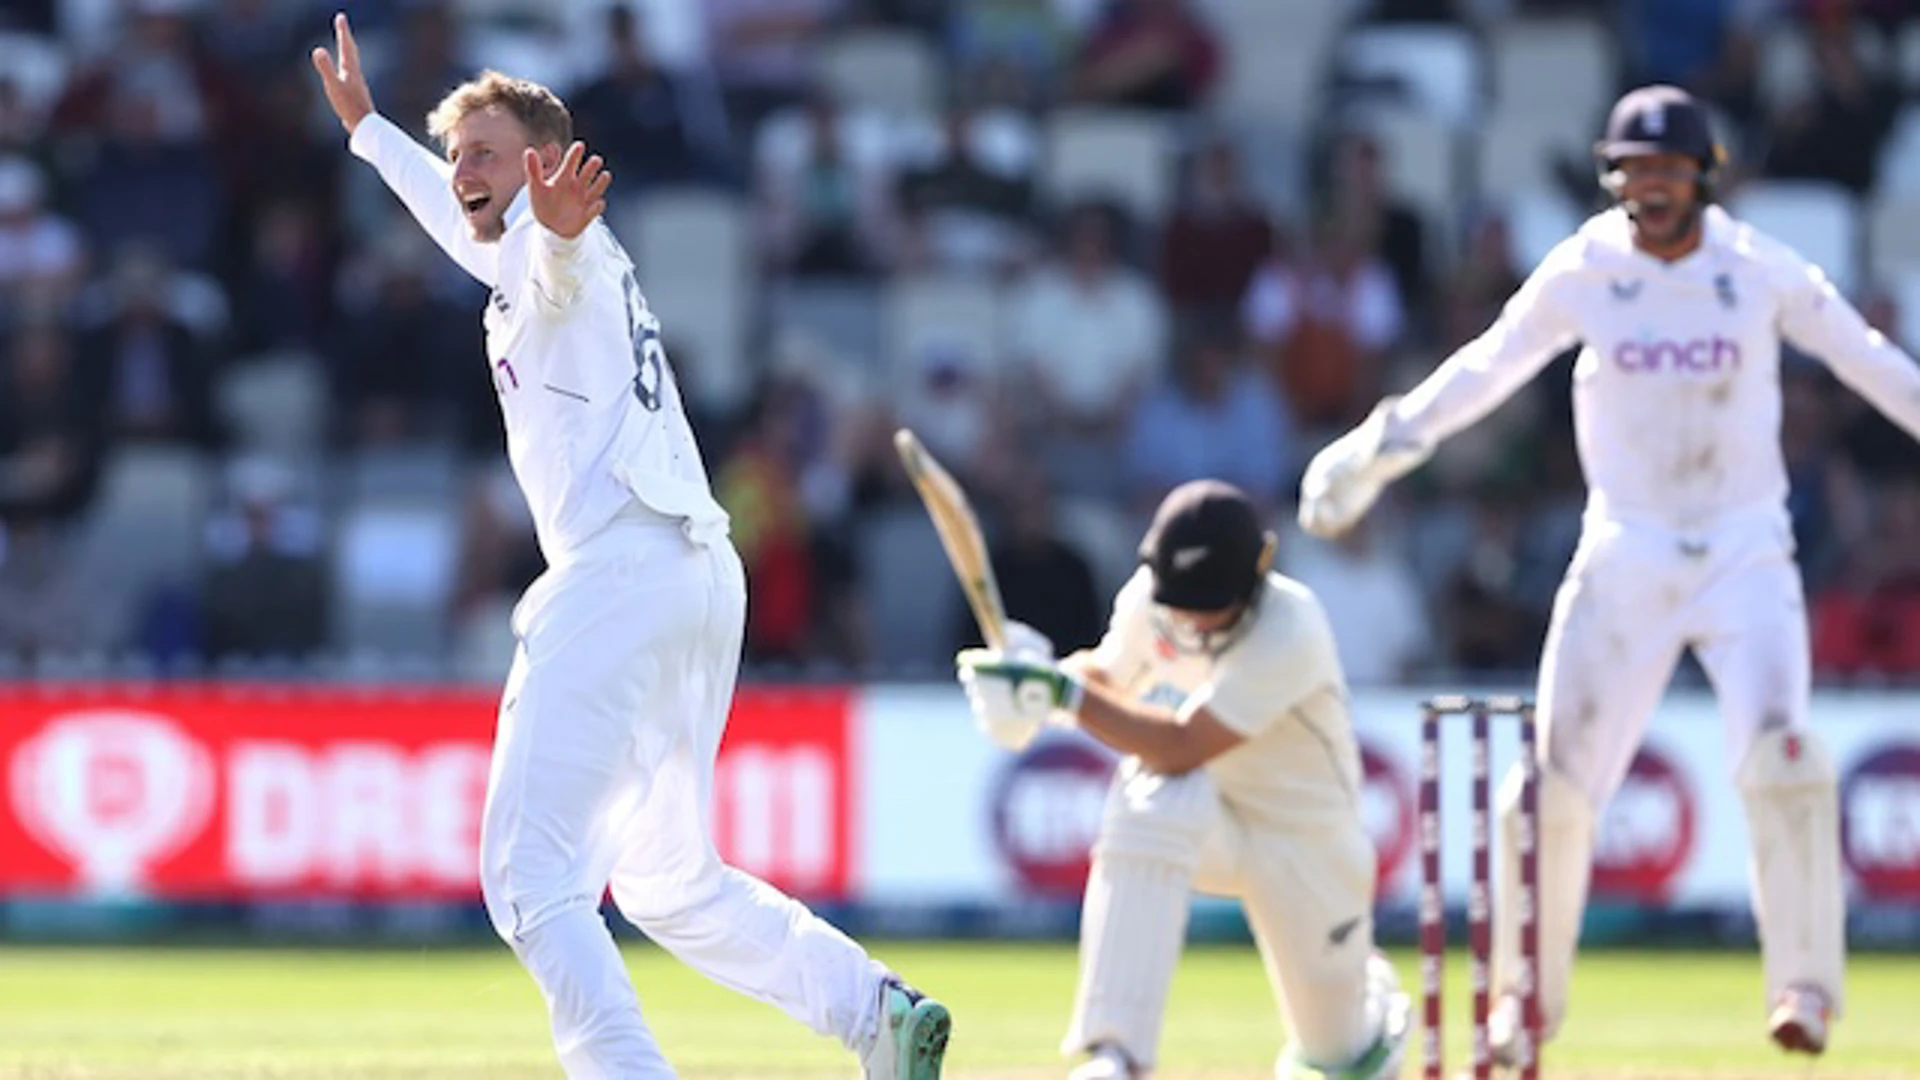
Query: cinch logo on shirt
(1699,355)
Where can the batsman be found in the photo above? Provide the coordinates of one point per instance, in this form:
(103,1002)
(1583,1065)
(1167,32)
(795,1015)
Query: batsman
(1679,310)
(1218,680)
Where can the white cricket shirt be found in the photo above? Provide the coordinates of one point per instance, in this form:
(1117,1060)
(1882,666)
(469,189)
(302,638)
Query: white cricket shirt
(1676,392)
(593,414)
(1279,685)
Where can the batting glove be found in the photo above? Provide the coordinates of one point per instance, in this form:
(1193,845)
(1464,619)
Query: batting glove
(1012,698)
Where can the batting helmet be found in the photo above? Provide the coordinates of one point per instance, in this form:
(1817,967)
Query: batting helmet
(1659,120)
(1206,548)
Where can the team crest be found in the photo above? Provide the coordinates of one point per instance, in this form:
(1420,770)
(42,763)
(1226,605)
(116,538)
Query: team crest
(1723,288)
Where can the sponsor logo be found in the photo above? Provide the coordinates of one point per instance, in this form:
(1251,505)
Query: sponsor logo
(1624,291)
(1701,355)
(1047,808)
(1387,809)
(1648,834)
(1880,822)
(112,791)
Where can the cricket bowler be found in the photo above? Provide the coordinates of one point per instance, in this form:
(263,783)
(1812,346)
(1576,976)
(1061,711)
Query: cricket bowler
(1218,679)
(629,643)
(1679,310)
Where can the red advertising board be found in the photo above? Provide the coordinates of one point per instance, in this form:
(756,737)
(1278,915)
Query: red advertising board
(216,790)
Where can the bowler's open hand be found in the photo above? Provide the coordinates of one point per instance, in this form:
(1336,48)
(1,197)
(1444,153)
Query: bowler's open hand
(567,200)
(343,82)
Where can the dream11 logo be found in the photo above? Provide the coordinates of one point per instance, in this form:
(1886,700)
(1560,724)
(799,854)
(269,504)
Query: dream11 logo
(115,791)
(1647,834)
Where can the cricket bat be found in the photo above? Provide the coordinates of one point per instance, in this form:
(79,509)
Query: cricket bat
(959,531)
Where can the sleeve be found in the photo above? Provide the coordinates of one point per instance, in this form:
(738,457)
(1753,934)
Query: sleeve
(1533,328)
(422,181)
(560,267)
(1255,685)
(1125,651)
(1815,317)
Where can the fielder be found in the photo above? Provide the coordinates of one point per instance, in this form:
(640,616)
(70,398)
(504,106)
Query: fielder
(1680,310)
(1219,681)
(630,642)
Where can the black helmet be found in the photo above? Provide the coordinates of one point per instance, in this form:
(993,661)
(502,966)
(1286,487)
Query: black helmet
(1659,120)
(1206,548)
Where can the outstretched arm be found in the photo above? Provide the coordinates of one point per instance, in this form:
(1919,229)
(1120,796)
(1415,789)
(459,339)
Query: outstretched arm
(422,180)
(1815,317)
(1343,480)
(1531,330)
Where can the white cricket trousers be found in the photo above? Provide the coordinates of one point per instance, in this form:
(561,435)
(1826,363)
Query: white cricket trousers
(602,774)
(1634,597)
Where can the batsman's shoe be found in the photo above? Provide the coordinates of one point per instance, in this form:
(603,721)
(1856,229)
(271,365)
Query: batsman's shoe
(1799,1021)
(1503,1031)
(1107,1062)
(1382,1060)
(912,1041)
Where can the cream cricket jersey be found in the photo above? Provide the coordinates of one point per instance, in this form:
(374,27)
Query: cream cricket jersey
(592,410)
(1280,685)
(1676,392)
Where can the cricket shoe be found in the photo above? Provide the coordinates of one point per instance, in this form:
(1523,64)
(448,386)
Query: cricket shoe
(1799,1021)
(1107,1062)
(912,1040)
(1392,1012)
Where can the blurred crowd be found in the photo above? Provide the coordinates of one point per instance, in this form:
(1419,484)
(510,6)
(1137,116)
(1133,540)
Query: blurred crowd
(1087,248)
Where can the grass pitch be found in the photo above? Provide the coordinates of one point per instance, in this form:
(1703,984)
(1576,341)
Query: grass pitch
(117,1014)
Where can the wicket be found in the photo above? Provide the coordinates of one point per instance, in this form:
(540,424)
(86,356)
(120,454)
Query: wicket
(1433,914)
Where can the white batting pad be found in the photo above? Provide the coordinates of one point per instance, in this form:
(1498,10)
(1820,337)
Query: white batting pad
(1134,920)
(1788,783)
(1565,844)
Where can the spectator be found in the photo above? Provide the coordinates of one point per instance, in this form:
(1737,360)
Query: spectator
(1047,582)
(1488,615)
(1217,239)
(41,255)
(1326,325)
(1372,601)
(1837,133)
(51,441)
(48,606)
(1147,54)
(1869,621)
(265,591)
(282,298)
(1029,35)
(1356,191)
(830,213)
(646,118)
(404,360)
(150,123)
(253,38)
(1215,418)
(424,59)
(1092,336)
(152,378)
(21,124)
(962,211)
(1479,286)
(763,53)
(761,489)
(1710,47)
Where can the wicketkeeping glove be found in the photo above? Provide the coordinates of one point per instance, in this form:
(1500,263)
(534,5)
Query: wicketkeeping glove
(1012,697)
(1345,477)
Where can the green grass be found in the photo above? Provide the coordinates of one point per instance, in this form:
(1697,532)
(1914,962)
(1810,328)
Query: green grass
(214,1014)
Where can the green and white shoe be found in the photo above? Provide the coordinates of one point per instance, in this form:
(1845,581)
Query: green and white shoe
(912,1041)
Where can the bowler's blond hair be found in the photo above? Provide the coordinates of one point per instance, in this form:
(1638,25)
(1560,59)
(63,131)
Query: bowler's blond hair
(538,109)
